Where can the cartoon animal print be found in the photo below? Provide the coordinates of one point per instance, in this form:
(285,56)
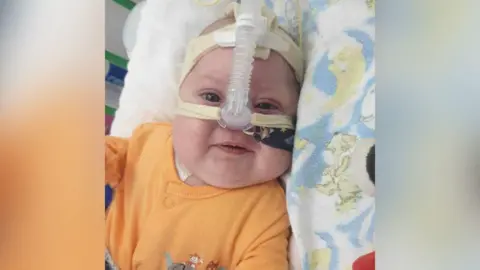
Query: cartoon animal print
(213,265)
(194,261)
(192,264)
(179,266)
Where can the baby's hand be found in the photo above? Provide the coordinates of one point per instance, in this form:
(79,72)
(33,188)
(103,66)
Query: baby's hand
(115,157)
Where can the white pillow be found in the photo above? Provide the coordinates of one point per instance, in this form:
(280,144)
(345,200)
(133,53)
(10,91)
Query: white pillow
(151,83)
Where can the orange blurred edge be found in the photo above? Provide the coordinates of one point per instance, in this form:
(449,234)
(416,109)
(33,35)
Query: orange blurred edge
(51,193)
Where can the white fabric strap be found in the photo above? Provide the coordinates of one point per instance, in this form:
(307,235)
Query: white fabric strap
(182,172)
(226,39)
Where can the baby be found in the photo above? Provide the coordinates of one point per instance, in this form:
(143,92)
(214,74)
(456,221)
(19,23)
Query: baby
(195,195)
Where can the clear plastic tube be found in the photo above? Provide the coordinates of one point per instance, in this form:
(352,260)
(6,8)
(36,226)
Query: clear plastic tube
(236,112)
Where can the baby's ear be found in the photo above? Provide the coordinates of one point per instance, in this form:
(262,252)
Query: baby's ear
(362,166)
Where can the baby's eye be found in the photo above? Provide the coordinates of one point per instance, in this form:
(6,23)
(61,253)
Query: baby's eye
(265,106)
(211,97)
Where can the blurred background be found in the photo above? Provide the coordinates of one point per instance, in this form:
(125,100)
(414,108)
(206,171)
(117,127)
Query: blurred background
(117,32)
(116,57)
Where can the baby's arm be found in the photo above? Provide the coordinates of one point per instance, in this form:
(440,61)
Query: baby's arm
(117,149)
(115,159)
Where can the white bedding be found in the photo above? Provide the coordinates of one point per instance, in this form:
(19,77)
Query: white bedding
(332,219)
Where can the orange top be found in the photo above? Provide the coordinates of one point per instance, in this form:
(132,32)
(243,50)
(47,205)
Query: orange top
(155,220)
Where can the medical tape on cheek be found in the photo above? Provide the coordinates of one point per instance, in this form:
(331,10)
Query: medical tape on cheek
(276,131)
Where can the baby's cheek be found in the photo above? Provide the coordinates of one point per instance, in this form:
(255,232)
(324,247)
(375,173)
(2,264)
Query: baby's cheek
(275,162)
(190,137)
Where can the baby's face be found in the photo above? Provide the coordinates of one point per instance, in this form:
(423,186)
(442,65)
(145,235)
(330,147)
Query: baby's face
(204,147)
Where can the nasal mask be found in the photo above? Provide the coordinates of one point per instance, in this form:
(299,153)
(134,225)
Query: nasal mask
(254,35)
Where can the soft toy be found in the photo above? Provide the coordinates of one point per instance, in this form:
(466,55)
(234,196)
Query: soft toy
(366,262)
(363,167)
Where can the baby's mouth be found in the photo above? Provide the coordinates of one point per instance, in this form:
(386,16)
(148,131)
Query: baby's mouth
(233,148)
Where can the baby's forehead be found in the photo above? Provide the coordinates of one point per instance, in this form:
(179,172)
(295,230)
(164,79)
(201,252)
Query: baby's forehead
(216,66)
